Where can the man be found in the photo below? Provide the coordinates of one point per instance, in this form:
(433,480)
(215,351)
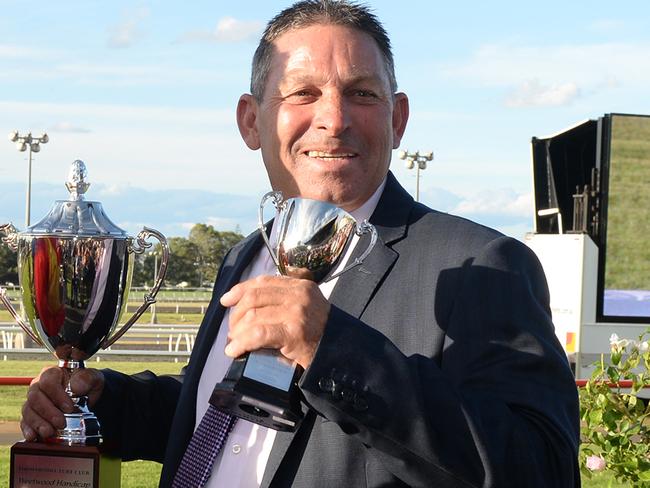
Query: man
(432,364)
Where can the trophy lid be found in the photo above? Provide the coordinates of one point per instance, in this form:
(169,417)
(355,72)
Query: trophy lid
(76,217)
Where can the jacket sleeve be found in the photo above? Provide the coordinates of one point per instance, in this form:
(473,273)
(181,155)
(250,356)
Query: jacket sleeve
(135,413)
(495,407)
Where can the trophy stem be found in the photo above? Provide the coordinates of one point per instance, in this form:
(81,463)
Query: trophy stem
(82,427)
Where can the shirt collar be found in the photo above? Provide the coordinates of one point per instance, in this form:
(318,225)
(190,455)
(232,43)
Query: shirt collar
(365,211)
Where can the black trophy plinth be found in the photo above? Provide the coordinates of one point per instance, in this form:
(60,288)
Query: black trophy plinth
(261,387)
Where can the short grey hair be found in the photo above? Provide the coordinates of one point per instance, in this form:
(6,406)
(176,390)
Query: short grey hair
(310,12)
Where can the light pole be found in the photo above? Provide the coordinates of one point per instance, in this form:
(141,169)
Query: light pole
(199,267)
(419,161)
(34,145)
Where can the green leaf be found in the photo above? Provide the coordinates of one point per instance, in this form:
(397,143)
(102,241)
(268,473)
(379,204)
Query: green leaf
(596,416)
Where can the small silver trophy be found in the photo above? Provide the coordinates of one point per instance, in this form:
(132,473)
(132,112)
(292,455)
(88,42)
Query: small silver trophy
(75,268)
(310,237)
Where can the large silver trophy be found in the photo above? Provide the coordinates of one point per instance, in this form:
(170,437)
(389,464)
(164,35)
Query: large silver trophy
(75,268)
(309,239)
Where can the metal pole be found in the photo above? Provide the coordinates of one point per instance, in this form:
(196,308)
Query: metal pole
(33,144)
(29,189)
(419,161)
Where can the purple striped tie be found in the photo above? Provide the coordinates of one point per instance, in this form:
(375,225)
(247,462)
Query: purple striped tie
(207,440)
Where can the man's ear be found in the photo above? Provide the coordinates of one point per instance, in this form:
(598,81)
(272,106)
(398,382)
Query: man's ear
(400,117)
(247,121)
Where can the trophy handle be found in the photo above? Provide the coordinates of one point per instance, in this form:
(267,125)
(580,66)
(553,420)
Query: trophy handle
(19,320)
(11,236)
(362,228)
(278,199)
(138,247)
(11,239)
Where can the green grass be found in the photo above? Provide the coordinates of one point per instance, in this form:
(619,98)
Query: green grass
(14,396)
(602,480)
(135,474)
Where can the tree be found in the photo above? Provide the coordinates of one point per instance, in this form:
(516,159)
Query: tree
(211,247)
(194,260)
(8,265)
(181,262)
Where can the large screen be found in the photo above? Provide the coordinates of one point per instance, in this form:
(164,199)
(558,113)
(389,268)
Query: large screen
(625,248)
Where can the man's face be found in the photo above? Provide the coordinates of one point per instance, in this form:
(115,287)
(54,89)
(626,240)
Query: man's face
(328,119)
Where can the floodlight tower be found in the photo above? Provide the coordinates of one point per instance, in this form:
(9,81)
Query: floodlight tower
(23,143)
(419,162)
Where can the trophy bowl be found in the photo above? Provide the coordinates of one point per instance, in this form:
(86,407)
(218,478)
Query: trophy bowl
(75,268)
(309,239)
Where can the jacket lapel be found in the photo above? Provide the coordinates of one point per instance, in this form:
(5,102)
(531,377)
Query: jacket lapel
(355,288)
(184,419)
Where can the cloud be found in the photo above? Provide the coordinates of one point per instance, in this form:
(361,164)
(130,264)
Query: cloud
(547,75)
(9,51)
(113,75)
(532,93)
(68,127)
(118,113)
(228,29)
(114,189)
(608,26)
(125,33)
(225,223)
(502,202)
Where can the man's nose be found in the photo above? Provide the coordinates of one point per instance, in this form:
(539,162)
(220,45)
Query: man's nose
(332,114)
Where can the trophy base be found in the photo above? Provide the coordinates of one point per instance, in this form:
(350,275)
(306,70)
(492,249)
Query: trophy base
(242,395)
(81,429)
(36,464)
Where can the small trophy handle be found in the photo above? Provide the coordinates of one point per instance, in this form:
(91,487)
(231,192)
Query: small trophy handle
(278,199)
(138,247)
(362,228)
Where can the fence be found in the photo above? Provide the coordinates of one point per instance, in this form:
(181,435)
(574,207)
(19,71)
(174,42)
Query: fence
(167,340)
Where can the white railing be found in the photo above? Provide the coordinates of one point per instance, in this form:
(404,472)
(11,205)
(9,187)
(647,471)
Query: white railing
(140,340)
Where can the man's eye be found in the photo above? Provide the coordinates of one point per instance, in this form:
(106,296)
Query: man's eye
(365,93)
(301,96)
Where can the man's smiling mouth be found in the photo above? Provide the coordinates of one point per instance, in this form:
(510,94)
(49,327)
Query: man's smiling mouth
(329,155)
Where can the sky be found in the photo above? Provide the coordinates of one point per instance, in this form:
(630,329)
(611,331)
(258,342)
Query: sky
(145,93)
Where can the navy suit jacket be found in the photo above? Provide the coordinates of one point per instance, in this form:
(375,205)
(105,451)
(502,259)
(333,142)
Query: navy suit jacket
(439,367)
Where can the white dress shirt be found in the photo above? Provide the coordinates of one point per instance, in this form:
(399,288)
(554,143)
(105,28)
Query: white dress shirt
(242,461)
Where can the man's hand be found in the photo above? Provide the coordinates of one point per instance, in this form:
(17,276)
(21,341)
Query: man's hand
(276,312)
(47,400)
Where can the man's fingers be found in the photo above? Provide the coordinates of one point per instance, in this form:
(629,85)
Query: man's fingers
(258,328)
(234,295)
(34,425)
(88,382)
(47,400)
(28,432)
(51,382)
(277,312)
(256,299)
